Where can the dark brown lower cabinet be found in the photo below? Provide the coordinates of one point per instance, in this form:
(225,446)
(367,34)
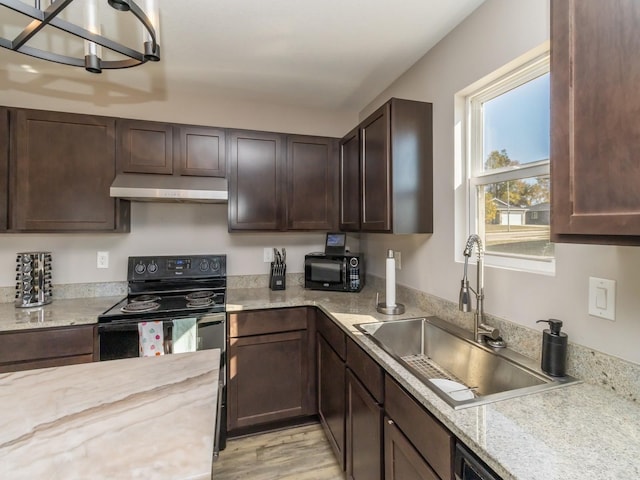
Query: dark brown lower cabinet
(268,378)
(401,460)
(364,432)
(47,347)
(430,439)
(270,367)
(331,397)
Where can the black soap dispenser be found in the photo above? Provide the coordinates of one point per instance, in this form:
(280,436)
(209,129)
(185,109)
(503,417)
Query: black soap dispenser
(554,349)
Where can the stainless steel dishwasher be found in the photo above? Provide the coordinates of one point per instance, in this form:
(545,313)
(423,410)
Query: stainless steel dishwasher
(469,467)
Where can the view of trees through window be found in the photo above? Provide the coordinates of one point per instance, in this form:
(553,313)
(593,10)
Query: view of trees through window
(516,212)
(510,125)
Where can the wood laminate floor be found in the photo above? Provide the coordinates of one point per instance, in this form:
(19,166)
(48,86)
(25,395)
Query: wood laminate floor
(299,453)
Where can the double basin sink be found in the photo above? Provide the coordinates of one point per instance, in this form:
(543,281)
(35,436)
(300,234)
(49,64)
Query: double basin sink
(462,372)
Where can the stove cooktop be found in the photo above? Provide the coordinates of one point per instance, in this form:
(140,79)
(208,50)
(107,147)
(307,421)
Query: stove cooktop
(167,305)
(171,286)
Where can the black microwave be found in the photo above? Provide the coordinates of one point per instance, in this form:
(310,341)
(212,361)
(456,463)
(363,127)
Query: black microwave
(340,273)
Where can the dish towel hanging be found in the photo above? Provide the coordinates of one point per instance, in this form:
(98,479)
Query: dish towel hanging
(151,338)
(183,336)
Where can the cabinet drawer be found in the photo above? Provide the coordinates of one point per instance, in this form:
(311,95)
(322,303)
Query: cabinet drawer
(434,442)
(332,334)
(49,362)
(366,369)
(260,322)
(40,344)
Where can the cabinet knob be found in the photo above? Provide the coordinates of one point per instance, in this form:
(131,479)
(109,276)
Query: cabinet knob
(390,422)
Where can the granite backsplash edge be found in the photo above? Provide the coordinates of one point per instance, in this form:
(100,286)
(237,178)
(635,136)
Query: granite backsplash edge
(591,366)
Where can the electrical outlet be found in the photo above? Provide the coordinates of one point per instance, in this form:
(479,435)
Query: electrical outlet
(398,257)
(103,260)
(268,255)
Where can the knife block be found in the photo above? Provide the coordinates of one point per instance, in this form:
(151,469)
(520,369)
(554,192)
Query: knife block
(277,276)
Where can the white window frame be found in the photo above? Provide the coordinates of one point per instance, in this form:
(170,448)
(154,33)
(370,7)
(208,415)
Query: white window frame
(474,162)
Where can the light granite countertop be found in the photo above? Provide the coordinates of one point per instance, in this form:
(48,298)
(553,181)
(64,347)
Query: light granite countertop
(146,418)
(581,431)
(59,313)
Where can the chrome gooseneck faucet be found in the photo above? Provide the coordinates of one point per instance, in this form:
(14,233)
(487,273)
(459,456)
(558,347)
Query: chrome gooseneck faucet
(481,331)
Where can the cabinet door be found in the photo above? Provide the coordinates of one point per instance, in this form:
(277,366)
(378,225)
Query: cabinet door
(349,183)
(401,459)
(63,166)
(145,147)
(432,440)
(256,169)
(312,177)
(4,169)
(376,171)
(332,397)
(46,347)
(364,433)
(268,379)
(200,151)
(595,133)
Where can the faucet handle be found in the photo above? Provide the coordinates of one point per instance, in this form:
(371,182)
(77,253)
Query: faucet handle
(489,331)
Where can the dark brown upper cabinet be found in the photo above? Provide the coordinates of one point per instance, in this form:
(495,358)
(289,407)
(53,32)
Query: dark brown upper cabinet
(200,151)
(312,179)
(4,169)
(256,172)
(170,149)
(281,182)
(61,167)
(595,132)
(349,183)
(395,172)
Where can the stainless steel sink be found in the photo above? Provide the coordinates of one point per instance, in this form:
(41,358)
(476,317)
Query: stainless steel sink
(467,373)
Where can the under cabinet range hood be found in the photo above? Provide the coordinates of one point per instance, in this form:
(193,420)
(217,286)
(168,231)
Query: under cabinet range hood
(169,188)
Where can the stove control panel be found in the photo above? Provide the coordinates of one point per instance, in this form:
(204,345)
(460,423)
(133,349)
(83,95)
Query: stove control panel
(166,267)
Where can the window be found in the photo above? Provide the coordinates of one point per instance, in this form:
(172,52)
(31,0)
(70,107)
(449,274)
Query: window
(508,167)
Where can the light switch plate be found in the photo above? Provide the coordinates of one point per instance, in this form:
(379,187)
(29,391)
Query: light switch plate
(602,298)
(268,255)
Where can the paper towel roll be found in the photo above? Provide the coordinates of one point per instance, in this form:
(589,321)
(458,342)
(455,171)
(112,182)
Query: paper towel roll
(391,280)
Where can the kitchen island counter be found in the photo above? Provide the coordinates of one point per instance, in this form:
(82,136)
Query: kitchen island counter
(147,418)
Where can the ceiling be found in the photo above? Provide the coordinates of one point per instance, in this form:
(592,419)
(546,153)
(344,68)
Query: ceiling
(327,54)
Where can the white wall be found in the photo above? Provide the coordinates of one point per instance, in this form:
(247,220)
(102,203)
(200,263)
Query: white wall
(157,229)
(494,35)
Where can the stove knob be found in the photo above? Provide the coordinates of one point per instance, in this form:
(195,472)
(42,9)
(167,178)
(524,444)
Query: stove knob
(140,268)
(215,265)
(204,266)
(152,268)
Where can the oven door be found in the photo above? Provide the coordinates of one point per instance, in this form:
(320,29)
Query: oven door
(120,339)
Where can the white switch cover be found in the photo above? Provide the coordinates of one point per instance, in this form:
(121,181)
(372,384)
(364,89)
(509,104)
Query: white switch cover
(602,298)
(103,260)
(268,255)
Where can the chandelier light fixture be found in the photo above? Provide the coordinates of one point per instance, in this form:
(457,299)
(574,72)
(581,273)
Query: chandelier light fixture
(89,32)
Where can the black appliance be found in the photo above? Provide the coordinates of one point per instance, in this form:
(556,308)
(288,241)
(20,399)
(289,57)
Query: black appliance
(170,288)
(341,273)
(469,467)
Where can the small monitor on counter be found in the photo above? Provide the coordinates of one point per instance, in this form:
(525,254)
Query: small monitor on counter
(335,243)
